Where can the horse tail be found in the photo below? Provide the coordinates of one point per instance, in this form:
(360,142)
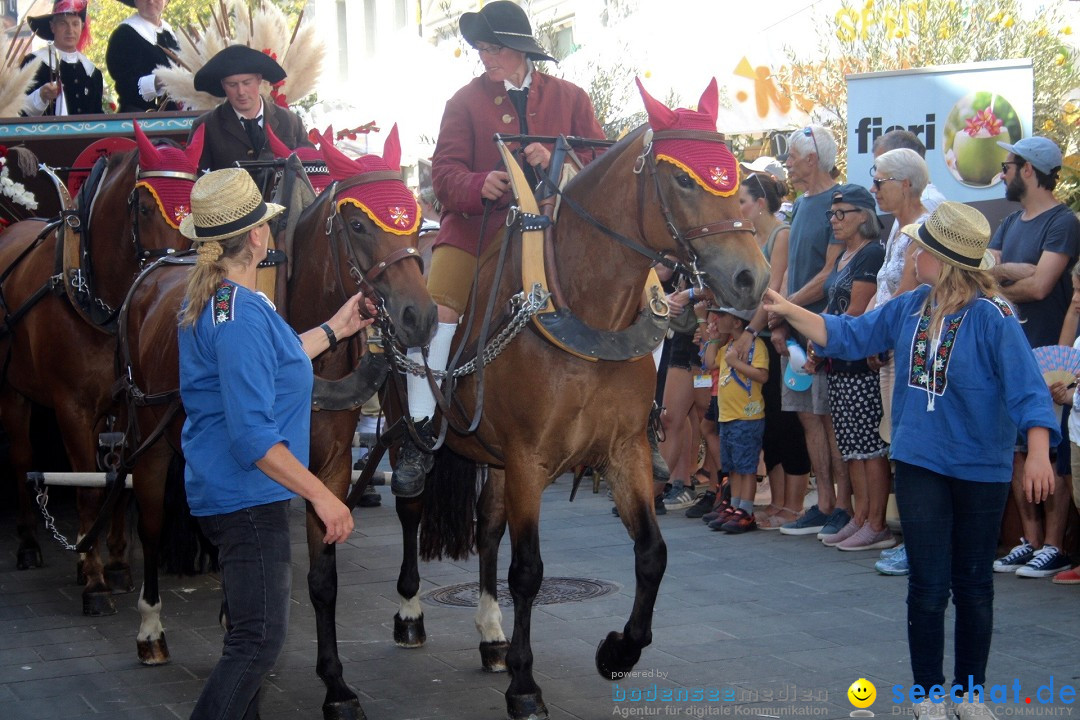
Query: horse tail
(184,548)
(448,520)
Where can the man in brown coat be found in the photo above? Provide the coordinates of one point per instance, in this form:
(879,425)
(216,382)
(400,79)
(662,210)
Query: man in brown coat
(235,130)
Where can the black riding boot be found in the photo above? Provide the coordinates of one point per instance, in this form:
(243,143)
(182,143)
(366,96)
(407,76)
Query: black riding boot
(413,464)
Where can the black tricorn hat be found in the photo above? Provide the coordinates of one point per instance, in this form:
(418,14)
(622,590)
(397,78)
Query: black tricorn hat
(502,23)
(236,60)
(129,3)
(41,26)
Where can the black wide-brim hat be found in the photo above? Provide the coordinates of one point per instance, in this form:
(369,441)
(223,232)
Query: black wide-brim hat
(236,60)
(129,3)
(41,26)
(502,23)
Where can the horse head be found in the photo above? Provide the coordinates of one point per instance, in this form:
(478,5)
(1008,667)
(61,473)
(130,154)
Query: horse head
(161,197)
(695,181)
(372,220)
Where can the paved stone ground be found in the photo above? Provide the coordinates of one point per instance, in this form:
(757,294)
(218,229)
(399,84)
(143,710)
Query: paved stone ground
(776,626)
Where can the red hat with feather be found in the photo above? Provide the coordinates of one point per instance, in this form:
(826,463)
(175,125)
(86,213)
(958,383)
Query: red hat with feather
(41,25)
(711,164)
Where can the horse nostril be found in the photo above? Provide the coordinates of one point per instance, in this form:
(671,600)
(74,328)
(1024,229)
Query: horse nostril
(744,280)
(408,318)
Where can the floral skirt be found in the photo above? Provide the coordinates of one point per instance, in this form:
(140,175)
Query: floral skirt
(855,399)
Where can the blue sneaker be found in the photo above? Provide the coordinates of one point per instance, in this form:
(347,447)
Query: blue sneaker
(895,564)
(889,552)
(836,522)
(808,523)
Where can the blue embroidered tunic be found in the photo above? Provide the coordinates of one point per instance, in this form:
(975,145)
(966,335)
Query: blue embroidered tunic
(246,385)
(984,384)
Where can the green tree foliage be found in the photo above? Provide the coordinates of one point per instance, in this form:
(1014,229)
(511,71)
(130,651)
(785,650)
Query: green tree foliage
(105,15)
(881,35)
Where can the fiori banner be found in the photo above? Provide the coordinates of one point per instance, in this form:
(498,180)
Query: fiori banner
(960,112)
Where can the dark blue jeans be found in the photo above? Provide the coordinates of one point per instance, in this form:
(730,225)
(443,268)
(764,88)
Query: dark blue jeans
(951,531)
(256,578)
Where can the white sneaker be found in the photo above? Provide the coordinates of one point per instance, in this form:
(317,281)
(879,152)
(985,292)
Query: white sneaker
(927,710)
(973,710)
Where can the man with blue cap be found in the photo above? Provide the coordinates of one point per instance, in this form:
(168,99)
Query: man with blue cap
(1036,248)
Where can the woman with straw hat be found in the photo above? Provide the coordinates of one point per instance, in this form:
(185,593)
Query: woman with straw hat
(245,380)
(966,381)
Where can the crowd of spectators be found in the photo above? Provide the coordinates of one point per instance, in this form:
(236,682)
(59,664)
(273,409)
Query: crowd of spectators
(830,418)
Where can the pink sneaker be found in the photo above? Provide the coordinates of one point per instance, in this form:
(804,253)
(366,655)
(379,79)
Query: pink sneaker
(845,532)
(866,538)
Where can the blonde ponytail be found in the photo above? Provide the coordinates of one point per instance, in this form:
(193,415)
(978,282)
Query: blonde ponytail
(215,257)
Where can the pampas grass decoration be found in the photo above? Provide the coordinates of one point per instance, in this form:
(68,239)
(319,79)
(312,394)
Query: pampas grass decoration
(14,80)
(298,50)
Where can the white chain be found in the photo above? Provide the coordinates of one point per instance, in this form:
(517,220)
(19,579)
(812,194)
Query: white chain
(50,522)
(529,306)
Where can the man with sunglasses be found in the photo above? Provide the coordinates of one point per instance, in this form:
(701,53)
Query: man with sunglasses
(812,254)
(1036,248)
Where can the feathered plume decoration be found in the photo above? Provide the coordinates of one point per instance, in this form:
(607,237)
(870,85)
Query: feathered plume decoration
(14,80)
(298,50)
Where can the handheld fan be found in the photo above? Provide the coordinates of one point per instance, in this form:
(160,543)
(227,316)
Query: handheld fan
(1058,363)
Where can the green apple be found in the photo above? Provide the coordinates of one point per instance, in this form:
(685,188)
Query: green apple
(979,158)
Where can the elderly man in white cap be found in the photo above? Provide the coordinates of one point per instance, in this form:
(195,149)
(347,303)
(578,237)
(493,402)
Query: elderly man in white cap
(1037,246)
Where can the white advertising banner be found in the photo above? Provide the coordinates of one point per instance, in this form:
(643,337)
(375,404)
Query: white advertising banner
(960,112)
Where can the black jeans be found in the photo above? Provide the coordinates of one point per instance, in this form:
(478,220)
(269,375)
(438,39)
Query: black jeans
(256,578)
(951,531)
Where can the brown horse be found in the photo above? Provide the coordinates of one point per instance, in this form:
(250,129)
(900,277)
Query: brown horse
(548,409)
(335,249)
(59,297)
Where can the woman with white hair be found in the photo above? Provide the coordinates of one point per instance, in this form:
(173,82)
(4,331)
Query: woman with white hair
(900,176)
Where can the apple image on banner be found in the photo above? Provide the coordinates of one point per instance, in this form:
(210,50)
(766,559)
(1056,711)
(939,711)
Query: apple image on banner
(975,125)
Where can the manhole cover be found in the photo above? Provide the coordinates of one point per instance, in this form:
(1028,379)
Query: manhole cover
(553,591)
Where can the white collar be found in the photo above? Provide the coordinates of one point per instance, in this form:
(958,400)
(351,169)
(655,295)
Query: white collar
(142,26)
(50,51)
(527,82)
(258,115)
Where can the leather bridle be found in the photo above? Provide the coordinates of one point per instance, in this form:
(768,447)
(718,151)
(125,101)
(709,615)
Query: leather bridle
(141,253)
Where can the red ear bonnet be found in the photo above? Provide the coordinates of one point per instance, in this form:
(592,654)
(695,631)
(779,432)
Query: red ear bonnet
(709,162)
(172,191)
(389,203)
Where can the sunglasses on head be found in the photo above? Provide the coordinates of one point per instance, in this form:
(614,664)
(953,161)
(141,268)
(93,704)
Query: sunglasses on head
(809,132)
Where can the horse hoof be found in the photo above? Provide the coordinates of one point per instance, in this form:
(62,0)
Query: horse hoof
(153,652)
(119,578)
(527,706)
(96,604)
(493,655)
(28,557)
(615,657)
(409,633)
(344,710)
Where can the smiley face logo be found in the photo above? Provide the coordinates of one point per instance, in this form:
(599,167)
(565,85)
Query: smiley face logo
(862,693)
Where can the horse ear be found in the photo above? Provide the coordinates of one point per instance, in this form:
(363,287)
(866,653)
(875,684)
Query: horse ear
(148,154)
(709,104)
(280,149)
(392,149)
(339,164)
(660,115)
(195,147)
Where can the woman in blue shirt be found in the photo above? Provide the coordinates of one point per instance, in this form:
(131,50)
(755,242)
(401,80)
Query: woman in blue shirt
(245,380)
(966,380)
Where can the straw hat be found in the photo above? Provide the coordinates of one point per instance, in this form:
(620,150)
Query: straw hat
(956,234)
(225,203)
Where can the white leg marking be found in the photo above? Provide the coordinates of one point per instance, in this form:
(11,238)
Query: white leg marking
(409,608)
(489,619)
(150,628)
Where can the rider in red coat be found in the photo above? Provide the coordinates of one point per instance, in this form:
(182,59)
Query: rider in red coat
(511,97)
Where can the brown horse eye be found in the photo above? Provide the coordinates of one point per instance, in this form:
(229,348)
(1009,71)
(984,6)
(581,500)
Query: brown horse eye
(684,180)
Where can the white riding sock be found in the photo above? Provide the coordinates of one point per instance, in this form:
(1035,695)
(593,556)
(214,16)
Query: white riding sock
(421,399)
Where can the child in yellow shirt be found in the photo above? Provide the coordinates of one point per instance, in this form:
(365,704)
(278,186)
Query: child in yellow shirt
(741,415)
